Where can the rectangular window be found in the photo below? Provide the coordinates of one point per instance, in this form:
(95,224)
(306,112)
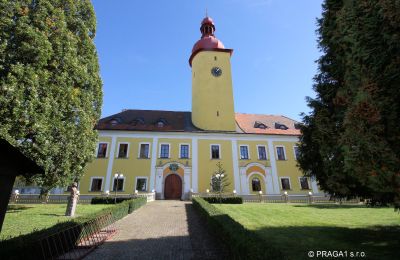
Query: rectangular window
(262,153)
(123,151)
(96,184)
(296,152)
(285,183)
(184,151)
(280,151)
(304,183)
(244,152)
(144,151)
(164,151)
(119,183)
(141,184)
(102,150)
(215,152)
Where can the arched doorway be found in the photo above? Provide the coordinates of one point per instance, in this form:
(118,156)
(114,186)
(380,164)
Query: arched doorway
(173,187)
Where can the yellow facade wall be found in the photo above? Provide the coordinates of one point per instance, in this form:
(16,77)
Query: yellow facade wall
(253,152)
(207,166)
(212,97)
(288,168)
(174,151)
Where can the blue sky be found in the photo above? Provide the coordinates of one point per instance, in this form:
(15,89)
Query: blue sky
(144,47)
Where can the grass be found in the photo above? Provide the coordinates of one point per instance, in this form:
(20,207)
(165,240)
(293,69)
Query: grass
(23,219)
(297,229)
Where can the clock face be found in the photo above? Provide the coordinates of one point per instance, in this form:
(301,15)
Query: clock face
(216,71)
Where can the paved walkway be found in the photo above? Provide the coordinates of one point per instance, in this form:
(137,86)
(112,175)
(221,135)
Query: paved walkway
(161,230)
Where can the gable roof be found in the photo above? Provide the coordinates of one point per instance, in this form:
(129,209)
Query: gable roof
(180,121)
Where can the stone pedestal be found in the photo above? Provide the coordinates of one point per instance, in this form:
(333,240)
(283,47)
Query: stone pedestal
(72,201)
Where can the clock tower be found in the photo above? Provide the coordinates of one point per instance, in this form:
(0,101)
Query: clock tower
(212,93)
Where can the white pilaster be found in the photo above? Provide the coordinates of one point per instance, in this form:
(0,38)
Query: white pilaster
(274,170)
(314,185)
(111,156)
(195,164)
(153,163)
(236,167)
(268,181)
(186,179)
(159,180)
(244,182)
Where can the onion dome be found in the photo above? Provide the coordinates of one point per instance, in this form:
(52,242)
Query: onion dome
(208,40)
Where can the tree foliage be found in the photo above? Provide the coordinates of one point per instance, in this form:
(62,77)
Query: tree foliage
(50,87)
(219,180)
(351,139)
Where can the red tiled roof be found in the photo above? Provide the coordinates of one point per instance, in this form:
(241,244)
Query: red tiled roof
(178,121)
(246,123)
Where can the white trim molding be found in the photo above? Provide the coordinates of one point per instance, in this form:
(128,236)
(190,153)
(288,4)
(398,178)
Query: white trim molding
(219,152)
(91,182)
(107,186)
(169,151)
(290,183)
(148,153)
(258,152)
(195,184)
(127,150)
(153,164)
(284,152)
(236,168)
(248,152)
(141,177)
(180,155)
(274,169)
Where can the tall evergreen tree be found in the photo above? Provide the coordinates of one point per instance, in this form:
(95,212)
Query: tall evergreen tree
(50,88)
(351,140)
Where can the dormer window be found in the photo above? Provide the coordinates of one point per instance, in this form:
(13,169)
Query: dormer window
(138,121)
(260,125)
(281,126)
(114,121)
(161,122)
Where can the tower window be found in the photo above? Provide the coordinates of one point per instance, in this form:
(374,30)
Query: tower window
(215,153)
(215,57)
(217,113)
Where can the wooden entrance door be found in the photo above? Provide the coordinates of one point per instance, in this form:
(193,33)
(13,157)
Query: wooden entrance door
(173,187)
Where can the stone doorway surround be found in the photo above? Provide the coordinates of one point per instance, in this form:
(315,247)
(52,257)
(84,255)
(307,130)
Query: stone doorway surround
(160,179)
(271,185)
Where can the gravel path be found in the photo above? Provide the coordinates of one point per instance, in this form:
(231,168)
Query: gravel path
(161,230)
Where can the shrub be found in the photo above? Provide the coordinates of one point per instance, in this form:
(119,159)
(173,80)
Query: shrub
(242,243)
(107,200)
(229,200)
(29,246)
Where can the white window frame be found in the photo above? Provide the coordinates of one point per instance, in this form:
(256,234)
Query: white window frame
(294,151)
(284,151)
(91,182)
(123,185)
(258,153)
(219,149)
(142,177)
(248,152)
(290,183)
(127,150)
(107,150)
(180,156)
(140,144)
(308,181)
(169,151)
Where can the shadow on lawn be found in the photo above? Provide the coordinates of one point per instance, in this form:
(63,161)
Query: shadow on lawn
(378,242)
(333,206)
(16,208)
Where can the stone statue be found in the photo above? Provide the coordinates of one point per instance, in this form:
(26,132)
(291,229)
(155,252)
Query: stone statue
(72,200)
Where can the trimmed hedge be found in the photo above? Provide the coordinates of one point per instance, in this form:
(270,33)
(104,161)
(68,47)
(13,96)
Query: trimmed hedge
(242,243)
(230,200)
(107,200)
(28,246)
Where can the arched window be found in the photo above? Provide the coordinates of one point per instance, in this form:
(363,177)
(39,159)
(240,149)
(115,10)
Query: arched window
(256,184)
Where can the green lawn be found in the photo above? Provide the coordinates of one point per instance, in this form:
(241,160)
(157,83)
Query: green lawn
(298,228)
(22,219)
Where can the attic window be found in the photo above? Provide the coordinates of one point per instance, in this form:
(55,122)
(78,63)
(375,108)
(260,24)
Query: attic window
(260,125)
(114,121)
(281,126)
(297,125)
(161,122)
(138,121)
